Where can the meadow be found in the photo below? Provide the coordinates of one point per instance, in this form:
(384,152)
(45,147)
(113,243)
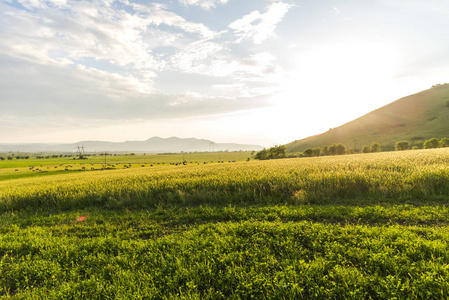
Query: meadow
(364,226)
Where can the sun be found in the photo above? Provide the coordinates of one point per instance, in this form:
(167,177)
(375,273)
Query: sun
(334,85)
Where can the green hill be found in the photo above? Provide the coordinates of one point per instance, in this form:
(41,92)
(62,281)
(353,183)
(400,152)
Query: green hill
(415,118)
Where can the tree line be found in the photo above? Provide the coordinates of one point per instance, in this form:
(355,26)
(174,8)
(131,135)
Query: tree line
(428,144)
(16,157)
(340,149)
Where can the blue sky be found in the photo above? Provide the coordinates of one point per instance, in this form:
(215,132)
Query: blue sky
(259,71)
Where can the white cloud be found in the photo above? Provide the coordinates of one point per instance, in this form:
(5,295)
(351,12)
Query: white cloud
(157,15)
(34,90)
(198,57)
(113,41)
(205,4)
(96,62)
(93,30)
(258,26)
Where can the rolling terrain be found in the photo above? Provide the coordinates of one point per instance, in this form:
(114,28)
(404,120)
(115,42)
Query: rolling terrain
(152,145)
(415,118)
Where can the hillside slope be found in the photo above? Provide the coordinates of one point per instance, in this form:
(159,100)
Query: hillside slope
(414,118)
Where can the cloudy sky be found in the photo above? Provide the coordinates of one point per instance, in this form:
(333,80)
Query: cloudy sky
(247,71)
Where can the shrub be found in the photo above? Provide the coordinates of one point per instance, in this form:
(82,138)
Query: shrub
(444,142)
(375,147)
(262,155)
(272,153)
(308,152)
(366,149)
(337,149)
(312,152)
(402,145)
(430,144)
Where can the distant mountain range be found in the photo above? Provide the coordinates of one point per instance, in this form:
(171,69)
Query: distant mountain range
(152,145)
(415,118)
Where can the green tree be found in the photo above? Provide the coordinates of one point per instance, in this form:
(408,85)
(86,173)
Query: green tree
(402,145)
(337,149)
(432,143)
(366,149)
(308,152)
(375,147)
(351,151)
(444,142)
(326,150)
(281,152)
(272,153)
(312,152)
(262,155)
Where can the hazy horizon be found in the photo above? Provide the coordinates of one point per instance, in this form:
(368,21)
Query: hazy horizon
(252,72)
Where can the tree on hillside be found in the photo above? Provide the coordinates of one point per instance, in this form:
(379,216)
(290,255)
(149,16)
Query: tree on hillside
(312,152)
(366,149)
(272,153)
(337,149)
(402,145)
(375,147)
(326,150)
(444,142)
(308,152)
(280,152)
(430,144)
(439,84)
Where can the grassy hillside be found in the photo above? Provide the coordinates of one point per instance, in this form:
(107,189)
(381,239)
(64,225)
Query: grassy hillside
(414,118)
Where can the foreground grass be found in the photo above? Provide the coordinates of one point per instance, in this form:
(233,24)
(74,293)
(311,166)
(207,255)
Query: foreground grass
(143,254)
(362,226)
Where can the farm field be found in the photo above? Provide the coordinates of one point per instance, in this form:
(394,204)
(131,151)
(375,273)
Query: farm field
(345,227)
(10,169)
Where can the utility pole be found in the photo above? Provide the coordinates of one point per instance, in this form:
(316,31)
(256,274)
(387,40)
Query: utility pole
(80,152)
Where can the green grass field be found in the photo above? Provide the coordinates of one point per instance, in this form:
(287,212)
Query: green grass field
(13,169)
(343,227)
